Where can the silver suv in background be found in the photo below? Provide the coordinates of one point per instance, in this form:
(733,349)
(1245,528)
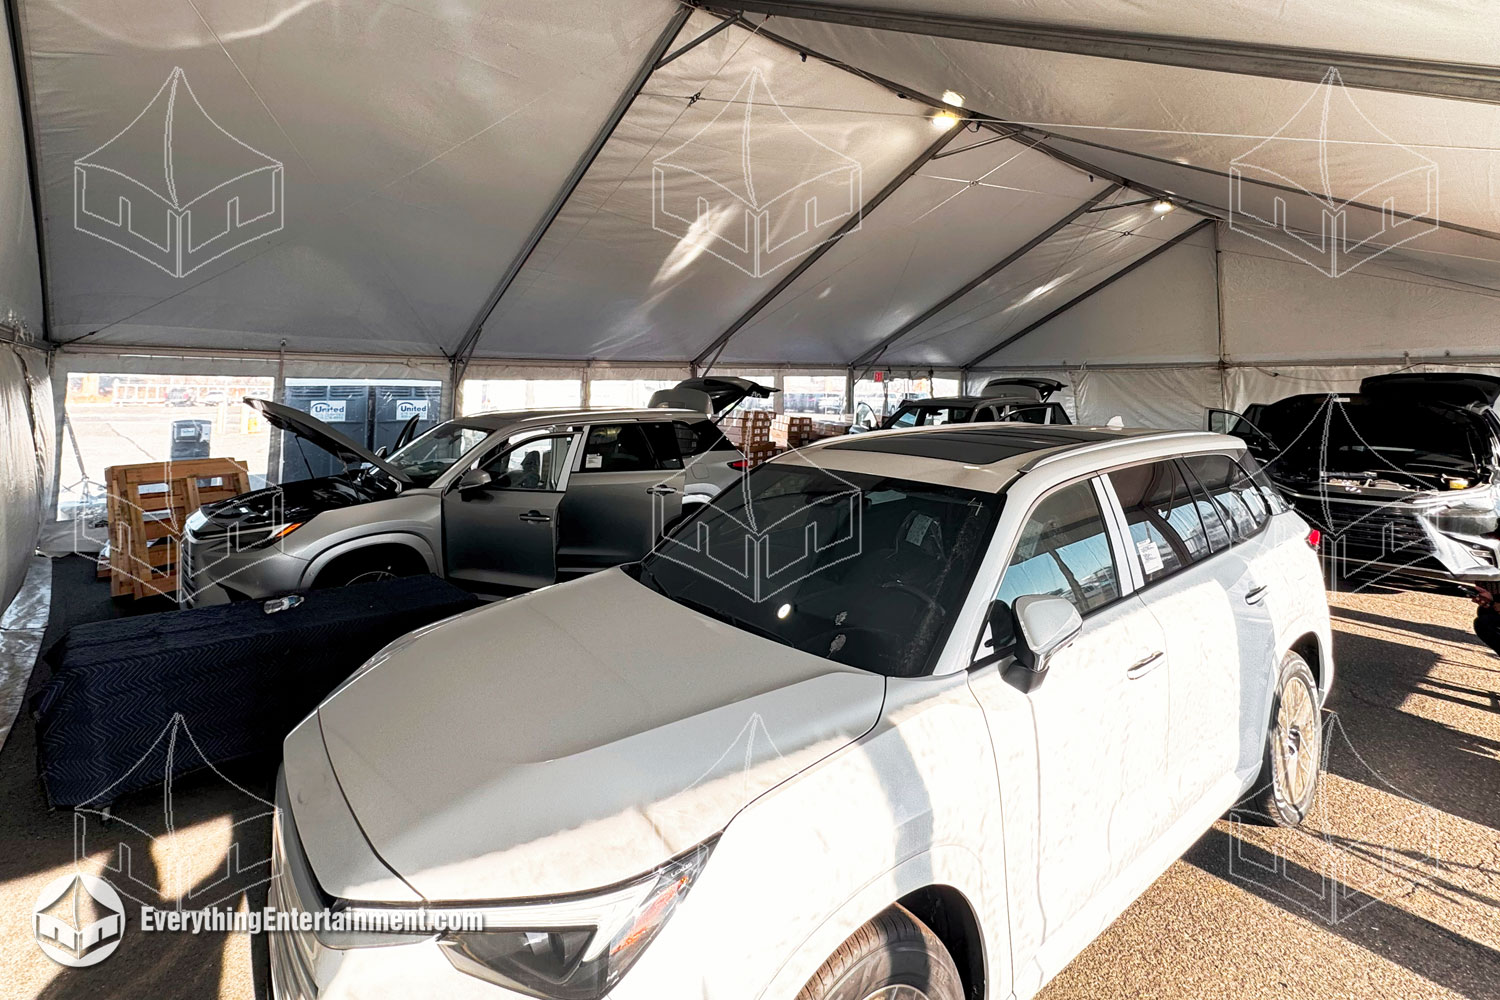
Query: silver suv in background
(499,502)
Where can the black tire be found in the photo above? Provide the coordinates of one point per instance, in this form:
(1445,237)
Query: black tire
(1293,753)
(893,950)
(368,567)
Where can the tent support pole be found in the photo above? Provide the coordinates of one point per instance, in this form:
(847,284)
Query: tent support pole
(1101,286)
(710,354)
(465,350)
(33,158)
(690,46)
(1394,74)
(872,355)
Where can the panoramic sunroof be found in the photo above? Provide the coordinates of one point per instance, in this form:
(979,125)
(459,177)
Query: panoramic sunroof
(974,445)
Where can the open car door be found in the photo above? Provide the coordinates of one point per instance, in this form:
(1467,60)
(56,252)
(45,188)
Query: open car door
(1241,425)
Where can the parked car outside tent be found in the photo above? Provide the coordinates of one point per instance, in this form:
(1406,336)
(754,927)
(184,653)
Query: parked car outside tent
(500,502)
(1402,477)
(1022,400)
(880,769)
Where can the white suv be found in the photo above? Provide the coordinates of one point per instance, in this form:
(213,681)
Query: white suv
(914,714)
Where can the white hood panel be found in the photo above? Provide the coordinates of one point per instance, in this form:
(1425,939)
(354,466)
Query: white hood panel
(576,737)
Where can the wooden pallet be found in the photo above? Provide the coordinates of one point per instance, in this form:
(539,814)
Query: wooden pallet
(148,506)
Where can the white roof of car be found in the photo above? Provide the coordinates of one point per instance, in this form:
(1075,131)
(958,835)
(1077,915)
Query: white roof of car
(988,456)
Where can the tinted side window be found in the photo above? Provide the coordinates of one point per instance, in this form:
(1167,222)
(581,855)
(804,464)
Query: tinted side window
(1064,552)
(662,437)
(617,448)
(532,465)
(1165,527)
(1239,500)
(1274,500)
(700,436)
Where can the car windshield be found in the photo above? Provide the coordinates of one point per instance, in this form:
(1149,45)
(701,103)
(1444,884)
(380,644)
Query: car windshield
(1356,437)
(433,453)
(862,570)
(929,416)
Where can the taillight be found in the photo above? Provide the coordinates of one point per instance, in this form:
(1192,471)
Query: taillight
(1314,536)
(740,464)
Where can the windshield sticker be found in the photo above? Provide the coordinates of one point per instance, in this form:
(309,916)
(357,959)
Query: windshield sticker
(593,461)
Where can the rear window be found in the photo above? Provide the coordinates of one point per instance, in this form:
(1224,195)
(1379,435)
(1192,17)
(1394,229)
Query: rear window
(1240,503)
(1166,527)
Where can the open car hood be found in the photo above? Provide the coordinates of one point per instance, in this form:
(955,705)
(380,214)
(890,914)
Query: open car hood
(713,395)
(1457,388)
(312,429)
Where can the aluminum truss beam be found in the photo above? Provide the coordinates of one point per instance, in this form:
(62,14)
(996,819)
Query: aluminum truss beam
(1395,74)
(1101,286)
(870,356)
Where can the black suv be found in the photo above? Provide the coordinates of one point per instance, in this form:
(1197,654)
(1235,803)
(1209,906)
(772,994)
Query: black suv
(1402,478)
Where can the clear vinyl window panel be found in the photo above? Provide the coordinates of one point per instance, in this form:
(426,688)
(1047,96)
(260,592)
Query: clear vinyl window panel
(120,419)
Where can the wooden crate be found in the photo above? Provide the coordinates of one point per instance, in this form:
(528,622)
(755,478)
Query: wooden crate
(148,505)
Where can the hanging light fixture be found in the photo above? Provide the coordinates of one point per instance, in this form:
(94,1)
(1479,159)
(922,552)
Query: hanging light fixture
(1162,206)
(944,120)
(953,98)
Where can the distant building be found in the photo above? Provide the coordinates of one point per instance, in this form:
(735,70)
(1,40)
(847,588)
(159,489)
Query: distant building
(174,188)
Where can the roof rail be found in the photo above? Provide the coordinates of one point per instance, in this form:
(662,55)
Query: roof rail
(1085,449)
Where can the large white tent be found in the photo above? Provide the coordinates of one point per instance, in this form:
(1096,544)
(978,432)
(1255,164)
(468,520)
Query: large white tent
(909,185)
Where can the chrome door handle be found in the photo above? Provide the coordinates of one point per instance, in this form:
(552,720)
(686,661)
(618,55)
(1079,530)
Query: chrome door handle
(1256,594)
(661,491)
(536,517)
(1141,668)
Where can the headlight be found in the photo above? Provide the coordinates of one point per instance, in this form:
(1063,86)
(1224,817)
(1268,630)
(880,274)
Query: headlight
(575,948)
(277,533)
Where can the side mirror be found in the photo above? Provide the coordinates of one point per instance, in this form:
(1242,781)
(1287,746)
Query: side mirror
(474,479)
(1046,625)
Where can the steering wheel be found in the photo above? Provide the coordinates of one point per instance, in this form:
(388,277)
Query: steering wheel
(907,588)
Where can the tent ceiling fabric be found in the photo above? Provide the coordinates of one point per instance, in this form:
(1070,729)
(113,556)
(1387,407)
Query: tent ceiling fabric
(416,152)
(419,148)
(654,254)
(1077,257)
(958,214)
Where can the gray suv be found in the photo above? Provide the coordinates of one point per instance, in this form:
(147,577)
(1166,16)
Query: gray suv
(498,502)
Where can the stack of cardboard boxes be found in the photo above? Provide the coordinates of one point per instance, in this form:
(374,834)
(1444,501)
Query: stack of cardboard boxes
(761,435)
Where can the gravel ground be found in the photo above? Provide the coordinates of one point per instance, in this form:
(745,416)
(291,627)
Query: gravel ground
(1391,891)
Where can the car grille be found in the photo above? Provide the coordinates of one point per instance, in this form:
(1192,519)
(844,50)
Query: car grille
(294,954)
(1364,531)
